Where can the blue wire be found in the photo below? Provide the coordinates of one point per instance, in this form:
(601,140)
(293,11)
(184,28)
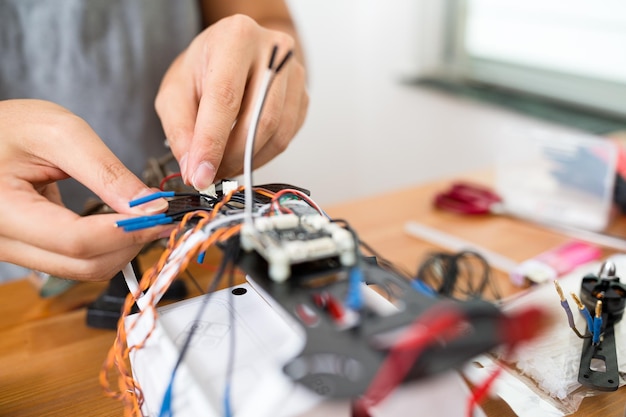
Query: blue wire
(421,287)
(228,412)
(354,297)
(568,312)
(201,257)
(141,219)
(166,405)
(230,366)
(147,224)
(154,196)
(597,329)
(589,319)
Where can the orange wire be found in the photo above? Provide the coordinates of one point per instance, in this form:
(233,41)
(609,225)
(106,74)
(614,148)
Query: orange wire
(118,357)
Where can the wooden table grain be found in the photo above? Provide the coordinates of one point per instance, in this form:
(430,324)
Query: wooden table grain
(50,359)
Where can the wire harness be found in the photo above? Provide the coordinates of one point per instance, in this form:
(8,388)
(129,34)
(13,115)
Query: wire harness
(312,266)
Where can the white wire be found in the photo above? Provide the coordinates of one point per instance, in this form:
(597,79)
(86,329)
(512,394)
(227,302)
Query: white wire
(248,154)
(170,269)
(174,261)
(131,279)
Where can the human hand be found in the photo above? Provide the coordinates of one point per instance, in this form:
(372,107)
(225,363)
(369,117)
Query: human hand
(212,86)
(41,143)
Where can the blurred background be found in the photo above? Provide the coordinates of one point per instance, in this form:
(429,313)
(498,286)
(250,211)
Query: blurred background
(406,91)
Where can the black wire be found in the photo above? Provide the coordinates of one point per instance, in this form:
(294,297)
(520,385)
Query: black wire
(382,262)
(385,263)
(282,63)
(270,65)
(455,275)
(232,246)
(194,281)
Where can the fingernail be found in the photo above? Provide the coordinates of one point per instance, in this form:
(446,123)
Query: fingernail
(203,177)
(151,207)
(183,166)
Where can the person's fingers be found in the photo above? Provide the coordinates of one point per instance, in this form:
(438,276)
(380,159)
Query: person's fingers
(223,88)
(51,192)
(283,114)
(292,118)
(177,106)
(98,268)
(271,117)
(36,221)
(216,80)
(87,159)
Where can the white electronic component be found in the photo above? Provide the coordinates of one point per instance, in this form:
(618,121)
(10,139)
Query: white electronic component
(288,239)
(210,191)
(265,340)
(229,186)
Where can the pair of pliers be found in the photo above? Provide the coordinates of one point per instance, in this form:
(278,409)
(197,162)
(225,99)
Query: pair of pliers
(467,198)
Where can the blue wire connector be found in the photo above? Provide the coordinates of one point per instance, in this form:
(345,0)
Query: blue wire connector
(354,297)
(586,314)
(597,323)
(147,198)
(423,288)
(144,222)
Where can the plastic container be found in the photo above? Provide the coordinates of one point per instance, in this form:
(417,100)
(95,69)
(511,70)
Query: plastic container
(555,177)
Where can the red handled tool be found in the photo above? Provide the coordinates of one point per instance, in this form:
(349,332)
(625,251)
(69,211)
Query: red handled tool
(466,198)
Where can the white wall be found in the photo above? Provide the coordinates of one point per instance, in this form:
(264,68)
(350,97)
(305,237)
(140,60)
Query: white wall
(365,130)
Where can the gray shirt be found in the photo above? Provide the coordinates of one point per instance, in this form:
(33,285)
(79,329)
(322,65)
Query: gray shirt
(101,59)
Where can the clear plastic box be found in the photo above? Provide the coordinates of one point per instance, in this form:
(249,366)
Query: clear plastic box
(562,178)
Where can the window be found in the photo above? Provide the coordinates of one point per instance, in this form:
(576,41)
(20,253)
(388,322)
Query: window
(571,50)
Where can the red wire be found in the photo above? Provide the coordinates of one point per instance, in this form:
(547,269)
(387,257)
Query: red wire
(439,323)
(479,392)
(514,329)
(303,196)
(167,178)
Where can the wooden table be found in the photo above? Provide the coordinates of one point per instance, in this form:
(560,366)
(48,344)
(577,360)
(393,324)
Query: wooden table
(49,358)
